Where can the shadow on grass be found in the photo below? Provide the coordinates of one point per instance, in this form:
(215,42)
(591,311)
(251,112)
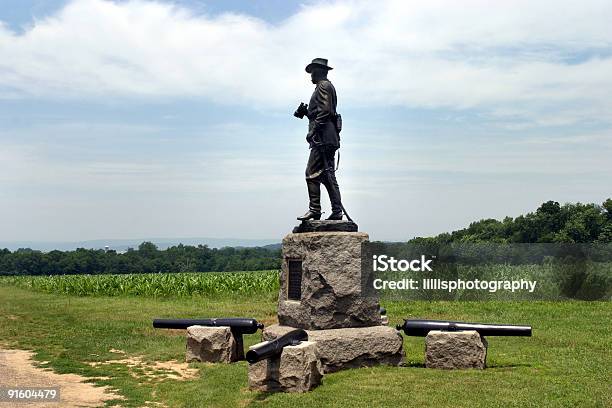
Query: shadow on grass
(412,364)
(263,395)
(509,365)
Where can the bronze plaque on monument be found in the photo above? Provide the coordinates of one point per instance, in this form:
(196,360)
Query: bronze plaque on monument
(294,283)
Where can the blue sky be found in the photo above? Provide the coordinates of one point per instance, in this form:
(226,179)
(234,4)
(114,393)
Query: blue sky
(132,119)
(20,14)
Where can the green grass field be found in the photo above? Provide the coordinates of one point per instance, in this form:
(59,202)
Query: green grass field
(567,363)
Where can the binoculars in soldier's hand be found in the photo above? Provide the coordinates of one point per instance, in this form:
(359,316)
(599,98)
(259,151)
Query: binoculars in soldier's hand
(301,111)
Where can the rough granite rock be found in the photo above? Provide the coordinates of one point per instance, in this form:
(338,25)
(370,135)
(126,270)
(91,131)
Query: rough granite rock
(264,375)
(212,344)
(333,290)
(450,350)
(339,349)
(297,369)
(325,225)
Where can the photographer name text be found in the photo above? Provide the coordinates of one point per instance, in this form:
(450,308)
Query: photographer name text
(384,263)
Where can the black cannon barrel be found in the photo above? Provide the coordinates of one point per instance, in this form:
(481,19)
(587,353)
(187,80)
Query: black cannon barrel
(275,347)
(420,328)
(237,324)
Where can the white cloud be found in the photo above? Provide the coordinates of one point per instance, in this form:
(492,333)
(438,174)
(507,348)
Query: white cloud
(494,55)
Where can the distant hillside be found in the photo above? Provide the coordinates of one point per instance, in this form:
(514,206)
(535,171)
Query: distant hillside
(550,223)
(121,245)
(273,247)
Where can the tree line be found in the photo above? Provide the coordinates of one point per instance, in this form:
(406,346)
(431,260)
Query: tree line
(550,223)
(146,259)
(572,239)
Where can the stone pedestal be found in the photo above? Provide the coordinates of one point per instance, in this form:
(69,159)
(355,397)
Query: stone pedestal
(326,225)
(451,350)
(340,349)
(322,286)
(324,291)
(213,345)
(297,369)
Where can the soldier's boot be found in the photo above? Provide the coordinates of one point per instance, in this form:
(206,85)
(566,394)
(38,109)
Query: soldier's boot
(331,184)
(314,205)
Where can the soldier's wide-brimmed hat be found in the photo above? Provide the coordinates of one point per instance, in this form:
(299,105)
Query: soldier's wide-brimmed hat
(318,62)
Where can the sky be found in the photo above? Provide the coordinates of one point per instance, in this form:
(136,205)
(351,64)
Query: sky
(140,118)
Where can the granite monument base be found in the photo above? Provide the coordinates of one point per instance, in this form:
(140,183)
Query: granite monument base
(321,282)
(340,349)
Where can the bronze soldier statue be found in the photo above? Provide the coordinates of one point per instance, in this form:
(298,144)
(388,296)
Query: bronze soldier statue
(324,126)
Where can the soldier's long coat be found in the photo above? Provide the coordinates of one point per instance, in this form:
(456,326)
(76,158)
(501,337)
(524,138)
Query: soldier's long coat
(322,112)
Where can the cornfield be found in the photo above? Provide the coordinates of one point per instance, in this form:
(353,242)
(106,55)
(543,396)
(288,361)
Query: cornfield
(152,285)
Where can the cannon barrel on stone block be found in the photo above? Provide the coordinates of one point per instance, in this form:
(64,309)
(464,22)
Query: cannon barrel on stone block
(238,325)
(420,328)
(275,347)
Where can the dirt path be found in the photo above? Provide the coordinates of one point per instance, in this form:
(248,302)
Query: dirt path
(17,369)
